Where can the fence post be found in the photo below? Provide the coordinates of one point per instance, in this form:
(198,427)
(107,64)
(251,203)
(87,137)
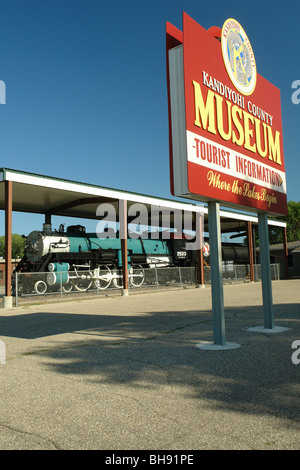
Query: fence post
(60,284)
(235,276)
(180,278)
(156,278)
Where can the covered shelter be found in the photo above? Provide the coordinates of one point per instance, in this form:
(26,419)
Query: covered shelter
(26,192)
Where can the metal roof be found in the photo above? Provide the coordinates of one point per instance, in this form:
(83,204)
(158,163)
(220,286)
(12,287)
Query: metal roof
(41,194)
(291,246)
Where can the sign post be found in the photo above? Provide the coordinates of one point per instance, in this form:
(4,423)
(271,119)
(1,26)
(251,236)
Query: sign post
(216,273)
(226,143)
(266,280)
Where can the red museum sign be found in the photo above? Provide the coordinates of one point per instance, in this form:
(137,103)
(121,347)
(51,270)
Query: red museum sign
(225,120)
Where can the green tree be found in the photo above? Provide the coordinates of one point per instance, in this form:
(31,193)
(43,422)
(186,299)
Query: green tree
(293,221)
(17,246)
(292,225)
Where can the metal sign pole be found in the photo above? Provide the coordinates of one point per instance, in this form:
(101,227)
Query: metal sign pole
(266,280)
(214,226)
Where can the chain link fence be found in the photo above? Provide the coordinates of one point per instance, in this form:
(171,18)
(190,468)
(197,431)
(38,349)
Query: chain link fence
(29,287)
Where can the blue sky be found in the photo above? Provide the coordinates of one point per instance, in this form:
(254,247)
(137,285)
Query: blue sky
(86,93)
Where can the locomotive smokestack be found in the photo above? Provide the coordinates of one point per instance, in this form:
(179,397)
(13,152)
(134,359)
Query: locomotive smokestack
(47,228)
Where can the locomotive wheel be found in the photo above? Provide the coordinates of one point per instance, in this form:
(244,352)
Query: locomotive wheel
(137,275)
(67,287)
(40,287)
(104,278)
(82,283)
(118,278)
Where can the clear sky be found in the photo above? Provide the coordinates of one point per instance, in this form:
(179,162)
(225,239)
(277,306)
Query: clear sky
(86,92)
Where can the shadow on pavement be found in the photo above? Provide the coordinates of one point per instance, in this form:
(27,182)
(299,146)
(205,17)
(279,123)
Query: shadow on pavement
(156,349)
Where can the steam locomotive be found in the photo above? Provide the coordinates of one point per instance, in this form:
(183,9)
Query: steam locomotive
(74,259)
(78,260)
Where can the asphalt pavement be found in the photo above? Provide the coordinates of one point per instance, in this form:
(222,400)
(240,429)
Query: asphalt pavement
(125,373)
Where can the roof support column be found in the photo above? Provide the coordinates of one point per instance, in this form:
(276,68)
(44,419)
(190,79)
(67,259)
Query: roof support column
(7,301)
(200,273)
(123,237)
(286,253)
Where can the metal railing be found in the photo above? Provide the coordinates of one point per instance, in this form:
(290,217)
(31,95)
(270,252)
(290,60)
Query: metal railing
(104,280)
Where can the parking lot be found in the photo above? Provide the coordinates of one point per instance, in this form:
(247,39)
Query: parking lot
(125,373)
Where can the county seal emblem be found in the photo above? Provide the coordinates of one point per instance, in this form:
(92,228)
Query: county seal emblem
(238,57)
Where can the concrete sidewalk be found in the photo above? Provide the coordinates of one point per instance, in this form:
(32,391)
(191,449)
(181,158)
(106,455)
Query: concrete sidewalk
(125,373)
